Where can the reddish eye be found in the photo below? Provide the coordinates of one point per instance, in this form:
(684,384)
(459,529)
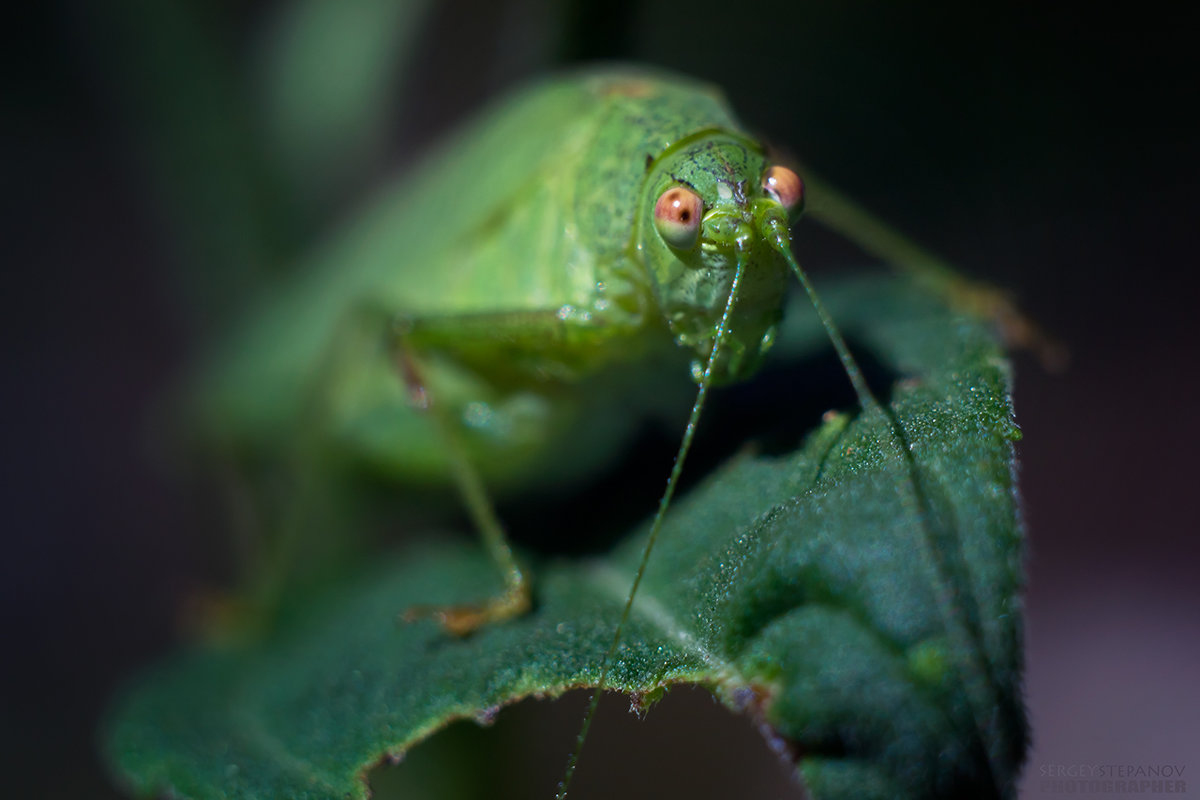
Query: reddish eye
(677,215)
(785,186)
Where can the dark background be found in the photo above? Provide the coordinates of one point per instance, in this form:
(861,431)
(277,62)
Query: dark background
(1048,150)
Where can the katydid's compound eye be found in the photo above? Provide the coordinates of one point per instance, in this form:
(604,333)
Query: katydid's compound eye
(677,215)
(785,186)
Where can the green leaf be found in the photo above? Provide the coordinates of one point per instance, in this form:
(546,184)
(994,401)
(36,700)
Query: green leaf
(858,595)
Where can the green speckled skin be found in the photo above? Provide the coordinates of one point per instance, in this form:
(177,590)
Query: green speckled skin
(522,263)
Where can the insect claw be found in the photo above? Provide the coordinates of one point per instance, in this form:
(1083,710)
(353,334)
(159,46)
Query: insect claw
(458,621)
(1016,329)
(463,620)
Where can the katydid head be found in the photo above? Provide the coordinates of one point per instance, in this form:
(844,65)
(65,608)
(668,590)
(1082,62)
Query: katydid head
(713,202)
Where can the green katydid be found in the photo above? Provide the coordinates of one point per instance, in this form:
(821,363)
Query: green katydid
(559,255)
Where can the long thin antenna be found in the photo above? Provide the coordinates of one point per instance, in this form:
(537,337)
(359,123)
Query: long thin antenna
(656,525)
(781,242)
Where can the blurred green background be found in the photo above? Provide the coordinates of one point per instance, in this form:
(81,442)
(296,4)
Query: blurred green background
(154,178)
